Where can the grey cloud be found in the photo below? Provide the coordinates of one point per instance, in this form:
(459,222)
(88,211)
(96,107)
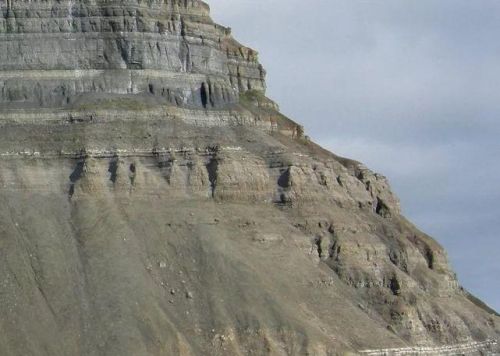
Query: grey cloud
(411,88)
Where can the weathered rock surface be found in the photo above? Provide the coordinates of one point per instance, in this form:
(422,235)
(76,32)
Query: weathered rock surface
(169,49)
(155,202)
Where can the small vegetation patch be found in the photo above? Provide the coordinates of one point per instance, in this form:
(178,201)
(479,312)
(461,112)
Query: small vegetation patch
(114,104)
(252,97)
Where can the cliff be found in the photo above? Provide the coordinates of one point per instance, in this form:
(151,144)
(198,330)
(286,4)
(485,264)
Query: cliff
(156,202)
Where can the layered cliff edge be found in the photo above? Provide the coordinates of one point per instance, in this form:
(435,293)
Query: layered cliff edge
(155,202)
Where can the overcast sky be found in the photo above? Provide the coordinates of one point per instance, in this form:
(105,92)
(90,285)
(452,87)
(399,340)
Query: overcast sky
(412,89)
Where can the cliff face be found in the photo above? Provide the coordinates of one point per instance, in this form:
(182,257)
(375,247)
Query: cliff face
(169,49)
(155,202)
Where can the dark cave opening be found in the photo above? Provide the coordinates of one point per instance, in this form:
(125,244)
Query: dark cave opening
(204,95)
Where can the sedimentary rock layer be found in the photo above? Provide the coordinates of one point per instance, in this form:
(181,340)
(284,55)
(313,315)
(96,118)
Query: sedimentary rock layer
(170,49)
(153,201)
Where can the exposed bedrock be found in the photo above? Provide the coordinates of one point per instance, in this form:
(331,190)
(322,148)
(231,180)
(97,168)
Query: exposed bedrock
(216,237)
(153,201)
(73,48)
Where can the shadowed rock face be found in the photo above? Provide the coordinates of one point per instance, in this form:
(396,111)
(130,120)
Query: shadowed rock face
(169,49)
(153,201)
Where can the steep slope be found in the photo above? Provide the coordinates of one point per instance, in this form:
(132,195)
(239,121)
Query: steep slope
(155,202)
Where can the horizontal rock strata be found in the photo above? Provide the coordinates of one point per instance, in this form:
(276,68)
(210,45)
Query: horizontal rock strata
(466,348)
(73,48)
(153,201)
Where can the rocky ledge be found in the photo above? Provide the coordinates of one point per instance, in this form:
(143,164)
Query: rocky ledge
(155,201)
(55,53)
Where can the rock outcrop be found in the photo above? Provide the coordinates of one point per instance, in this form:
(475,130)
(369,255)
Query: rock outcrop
(170,50)
(155,202)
